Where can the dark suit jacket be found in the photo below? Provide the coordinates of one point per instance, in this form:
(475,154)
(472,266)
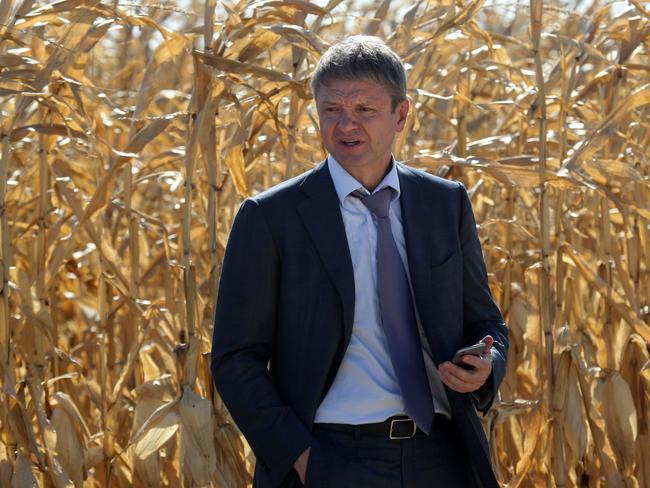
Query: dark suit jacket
(286,303)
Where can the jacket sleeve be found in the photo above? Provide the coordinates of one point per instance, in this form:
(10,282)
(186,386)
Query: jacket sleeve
(481,316)
(242,343)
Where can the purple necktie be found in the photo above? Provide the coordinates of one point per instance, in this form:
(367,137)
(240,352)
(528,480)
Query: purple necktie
(398,316)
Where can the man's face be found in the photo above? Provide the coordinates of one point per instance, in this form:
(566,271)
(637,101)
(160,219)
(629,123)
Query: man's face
(357,123)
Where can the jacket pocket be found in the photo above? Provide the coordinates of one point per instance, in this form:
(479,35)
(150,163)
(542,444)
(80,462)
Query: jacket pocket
(447,287)
(451,264)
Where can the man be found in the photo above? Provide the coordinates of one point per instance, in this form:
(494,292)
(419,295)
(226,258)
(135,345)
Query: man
(344,294)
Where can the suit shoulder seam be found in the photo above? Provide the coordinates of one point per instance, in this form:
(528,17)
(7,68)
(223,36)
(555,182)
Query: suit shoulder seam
(262,212)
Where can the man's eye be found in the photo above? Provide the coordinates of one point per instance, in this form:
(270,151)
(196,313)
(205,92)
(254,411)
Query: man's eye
(366,109)
(331,109)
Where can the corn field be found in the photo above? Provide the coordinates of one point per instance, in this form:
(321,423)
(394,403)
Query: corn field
(130,132)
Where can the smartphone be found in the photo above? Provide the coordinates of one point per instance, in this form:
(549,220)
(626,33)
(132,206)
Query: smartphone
(475,350)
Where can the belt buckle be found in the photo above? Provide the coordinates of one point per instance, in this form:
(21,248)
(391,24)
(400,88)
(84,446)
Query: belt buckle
(392,424)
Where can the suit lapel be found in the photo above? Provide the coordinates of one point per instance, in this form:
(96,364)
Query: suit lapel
(322,218)
(417,234)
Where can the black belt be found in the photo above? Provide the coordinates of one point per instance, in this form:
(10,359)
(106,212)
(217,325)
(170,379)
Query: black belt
(398,427)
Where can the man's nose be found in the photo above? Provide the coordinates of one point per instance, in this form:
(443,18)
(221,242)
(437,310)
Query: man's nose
(347,121)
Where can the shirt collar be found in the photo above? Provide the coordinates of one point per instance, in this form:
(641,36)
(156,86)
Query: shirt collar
(345,183)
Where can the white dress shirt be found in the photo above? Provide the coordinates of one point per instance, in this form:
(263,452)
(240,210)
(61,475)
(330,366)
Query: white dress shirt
(365,389)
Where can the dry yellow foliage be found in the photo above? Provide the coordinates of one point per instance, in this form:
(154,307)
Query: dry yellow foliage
(130,132)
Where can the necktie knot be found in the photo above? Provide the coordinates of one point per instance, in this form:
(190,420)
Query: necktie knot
(378,203)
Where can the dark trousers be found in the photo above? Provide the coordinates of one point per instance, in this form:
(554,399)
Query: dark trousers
(343,460)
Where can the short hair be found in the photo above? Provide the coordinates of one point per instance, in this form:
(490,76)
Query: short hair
(362,57)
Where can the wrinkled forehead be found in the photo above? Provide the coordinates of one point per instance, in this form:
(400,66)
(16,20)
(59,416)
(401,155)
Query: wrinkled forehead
(352,91)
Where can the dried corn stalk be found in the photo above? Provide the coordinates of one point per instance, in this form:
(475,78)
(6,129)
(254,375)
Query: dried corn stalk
(130,133)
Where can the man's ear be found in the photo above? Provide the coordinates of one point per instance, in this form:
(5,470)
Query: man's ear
(402,112)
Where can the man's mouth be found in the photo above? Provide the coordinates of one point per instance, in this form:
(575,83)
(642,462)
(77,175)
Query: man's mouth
(350,142)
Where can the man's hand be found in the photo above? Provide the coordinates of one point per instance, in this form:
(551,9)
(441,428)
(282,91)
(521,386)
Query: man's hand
(468,380)
(301,464)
